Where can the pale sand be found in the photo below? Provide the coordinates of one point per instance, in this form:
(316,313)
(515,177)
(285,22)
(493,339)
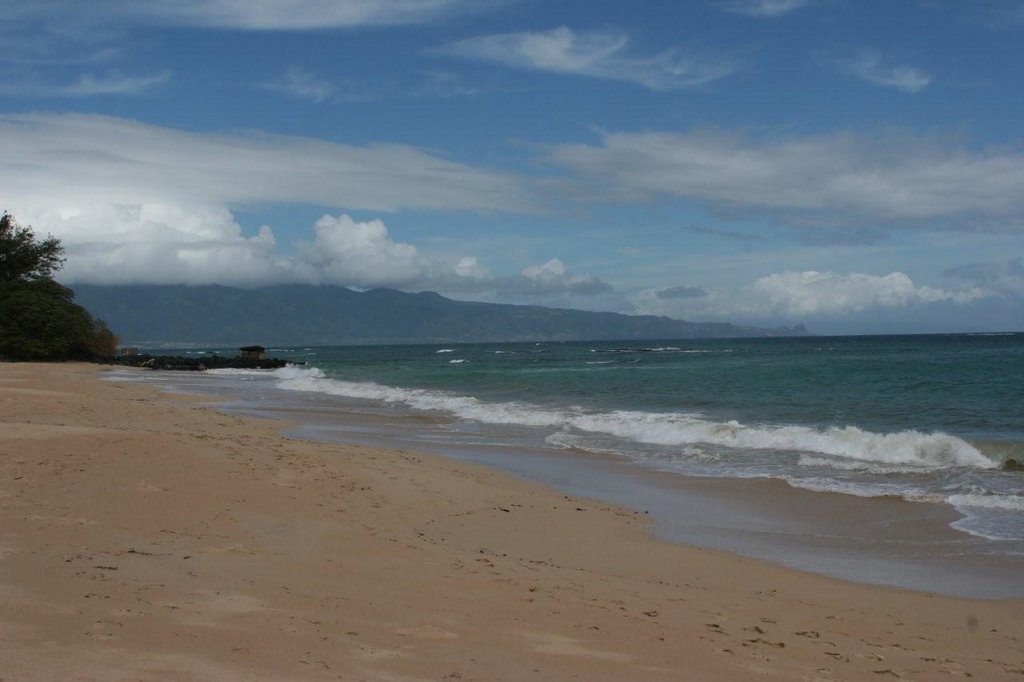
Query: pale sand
(146,536)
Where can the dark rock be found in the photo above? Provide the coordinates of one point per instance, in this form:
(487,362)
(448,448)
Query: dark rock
(199,364)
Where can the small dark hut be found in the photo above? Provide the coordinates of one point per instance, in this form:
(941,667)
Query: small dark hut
(254,353)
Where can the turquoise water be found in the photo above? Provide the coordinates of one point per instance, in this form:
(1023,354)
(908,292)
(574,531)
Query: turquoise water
(923,418)
(968,385)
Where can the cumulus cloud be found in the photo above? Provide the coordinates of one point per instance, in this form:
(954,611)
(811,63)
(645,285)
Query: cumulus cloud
(164,244)
(70,160)
(805,294)
(155,243)
(135,203)
(868,66)
(302,84)
(361,254)
(840,180)
(763,8)
(552,277)
(597,54)
(469,268)
(160,244)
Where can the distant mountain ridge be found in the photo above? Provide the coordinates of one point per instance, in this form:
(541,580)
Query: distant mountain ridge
(293,314)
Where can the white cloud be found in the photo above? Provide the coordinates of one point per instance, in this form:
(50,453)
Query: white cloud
(815,293)
(297,14)
(70,160)
(89,85)
(868,67)
(249,15)
(302,84)
(361,254)
(840,180)
(136,203)
(165,244)
(764,8)
(469,267)
(553,277)
(159,244)
(597,54)
(806,294)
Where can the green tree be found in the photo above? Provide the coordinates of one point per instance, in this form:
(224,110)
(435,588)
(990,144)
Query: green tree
(22,258)
(39,319)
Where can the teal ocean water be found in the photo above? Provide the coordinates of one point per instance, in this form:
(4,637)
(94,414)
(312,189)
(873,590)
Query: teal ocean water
(887,426)
(925,418)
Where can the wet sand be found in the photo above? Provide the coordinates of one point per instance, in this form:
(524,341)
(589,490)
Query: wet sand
(150,536)
(880,540)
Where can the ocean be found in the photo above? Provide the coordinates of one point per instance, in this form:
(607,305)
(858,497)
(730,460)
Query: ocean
(874,458)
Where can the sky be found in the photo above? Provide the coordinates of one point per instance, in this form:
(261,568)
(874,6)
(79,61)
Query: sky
(855,166)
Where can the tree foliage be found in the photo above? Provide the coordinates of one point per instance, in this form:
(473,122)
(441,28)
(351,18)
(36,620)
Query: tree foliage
(39,319)
(22,258)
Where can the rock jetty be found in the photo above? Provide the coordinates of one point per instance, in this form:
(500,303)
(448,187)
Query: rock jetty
(196,364)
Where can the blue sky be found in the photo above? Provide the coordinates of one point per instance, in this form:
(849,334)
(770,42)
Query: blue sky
(856,166)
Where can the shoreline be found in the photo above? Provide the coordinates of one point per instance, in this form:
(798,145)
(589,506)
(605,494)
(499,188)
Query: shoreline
(887,541)
(151,535)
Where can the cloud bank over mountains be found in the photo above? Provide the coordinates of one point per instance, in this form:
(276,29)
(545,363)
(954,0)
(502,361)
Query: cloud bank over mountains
(162,244)
(803,295)
(142,203)
(135,203)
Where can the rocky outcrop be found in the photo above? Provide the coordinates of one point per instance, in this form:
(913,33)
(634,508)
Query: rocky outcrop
(194,364)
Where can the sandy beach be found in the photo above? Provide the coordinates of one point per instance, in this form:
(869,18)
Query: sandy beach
(146,535)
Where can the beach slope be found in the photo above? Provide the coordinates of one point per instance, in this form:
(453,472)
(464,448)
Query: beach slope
(145,535)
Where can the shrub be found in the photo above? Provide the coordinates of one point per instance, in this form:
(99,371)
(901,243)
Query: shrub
(39,319)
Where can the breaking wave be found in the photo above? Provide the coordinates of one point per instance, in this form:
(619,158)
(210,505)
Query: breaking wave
(846,447)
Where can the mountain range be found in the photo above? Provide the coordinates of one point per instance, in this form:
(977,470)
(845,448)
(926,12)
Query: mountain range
(177,315)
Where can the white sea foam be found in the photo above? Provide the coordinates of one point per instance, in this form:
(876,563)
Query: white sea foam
(855,488)
(659,349)
(844,464)
(457,362)
(991,501)
(905,448)
(241,372)
(446,350)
